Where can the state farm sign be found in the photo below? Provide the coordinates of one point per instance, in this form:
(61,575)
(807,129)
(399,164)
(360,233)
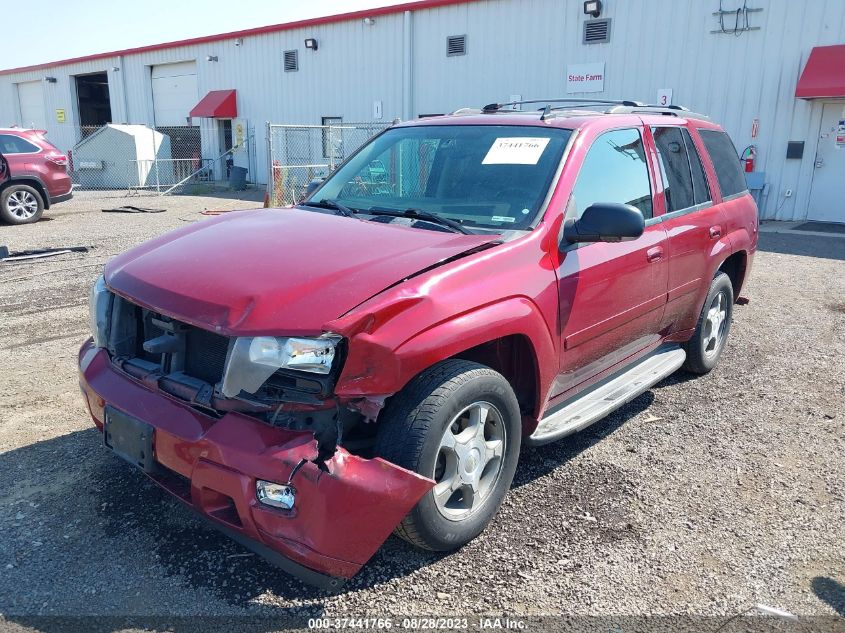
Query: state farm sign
(585,77)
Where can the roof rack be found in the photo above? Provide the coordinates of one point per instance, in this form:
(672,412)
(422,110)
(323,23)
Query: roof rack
(621,106)
(616,107)
(495,107)
(670,110)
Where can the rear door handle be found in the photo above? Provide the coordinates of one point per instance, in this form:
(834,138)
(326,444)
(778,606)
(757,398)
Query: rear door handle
(715,231)
(654,254)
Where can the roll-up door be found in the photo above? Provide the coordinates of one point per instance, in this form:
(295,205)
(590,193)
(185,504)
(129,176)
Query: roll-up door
(174,92)
(31,98)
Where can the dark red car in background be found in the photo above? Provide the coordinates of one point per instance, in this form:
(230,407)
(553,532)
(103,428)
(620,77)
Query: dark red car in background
(310,379)
(33,175)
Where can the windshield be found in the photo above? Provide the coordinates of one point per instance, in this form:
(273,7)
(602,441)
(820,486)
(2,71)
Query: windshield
(487,176)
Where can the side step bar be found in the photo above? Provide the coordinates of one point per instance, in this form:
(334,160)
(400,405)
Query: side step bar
(607,395)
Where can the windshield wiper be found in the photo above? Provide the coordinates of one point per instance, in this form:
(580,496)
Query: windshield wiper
(334,205)
(422,215)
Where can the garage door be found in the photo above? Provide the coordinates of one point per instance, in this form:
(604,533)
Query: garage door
(174,92)
(31,98)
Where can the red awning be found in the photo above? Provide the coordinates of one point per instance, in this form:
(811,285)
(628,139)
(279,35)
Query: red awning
(824,73)
(217,104)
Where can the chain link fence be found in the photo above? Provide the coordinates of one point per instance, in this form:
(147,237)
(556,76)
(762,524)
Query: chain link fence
(137,159)
(298,154)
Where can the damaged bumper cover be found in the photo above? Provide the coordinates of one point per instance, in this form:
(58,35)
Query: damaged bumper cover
(341,517)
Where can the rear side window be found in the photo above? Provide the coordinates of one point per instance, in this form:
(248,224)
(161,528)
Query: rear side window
(614,170)
(683,178)
(699,180)
(11,144)
(725,161)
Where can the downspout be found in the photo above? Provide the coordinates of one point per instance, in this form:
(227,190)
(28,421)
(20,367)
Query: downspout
(408,66)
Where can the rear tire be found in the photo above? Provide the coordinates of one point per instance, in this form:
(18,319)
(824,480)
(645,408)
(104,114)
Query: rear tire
(458,423)
(714,324)
(21,204)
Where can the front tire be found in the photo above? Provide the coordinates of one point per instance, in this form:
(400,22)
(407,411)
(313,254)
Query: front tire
(21,204)
(714,324)
(458,423)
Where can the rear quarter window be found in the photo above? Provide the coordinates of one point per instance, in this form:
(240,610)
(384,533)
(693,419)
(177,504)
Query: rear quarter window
(11,144)
(725,162)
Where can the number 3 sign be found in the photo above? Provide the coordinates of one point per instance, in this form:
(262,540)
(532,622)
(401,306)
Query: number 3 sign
(664,97)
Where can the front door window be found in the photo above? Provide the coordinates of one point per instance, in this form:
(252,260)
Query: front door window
(614,170)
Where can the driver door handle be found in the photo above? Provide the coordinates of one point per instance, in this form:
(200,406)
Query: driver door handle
(654,254)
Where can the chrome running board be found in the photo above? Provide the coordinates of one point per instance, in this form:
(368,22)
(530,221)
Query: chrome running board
(607,396)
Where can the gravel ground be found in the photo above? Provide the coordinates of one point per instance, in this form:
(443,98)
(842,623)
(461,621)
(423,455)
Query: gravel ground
(704,496)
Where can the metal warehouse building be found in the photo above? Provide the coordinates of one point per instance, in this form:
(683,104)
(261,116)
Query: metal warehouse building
(771,71)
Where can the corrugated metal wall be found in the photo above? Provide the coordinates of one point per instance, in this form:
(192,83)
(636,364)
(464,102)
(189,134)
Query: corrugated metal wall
(513,47)
(355,65)
(60,95)
(523,47)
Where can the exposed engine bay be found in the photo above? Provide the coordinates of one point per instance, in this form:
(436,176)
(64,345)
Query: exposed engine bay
(195,365)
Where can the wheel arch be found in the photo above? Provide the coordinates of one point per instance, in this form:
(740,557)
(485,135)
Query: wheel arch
(735,267)
(511,356)
(30,181)
(507,336)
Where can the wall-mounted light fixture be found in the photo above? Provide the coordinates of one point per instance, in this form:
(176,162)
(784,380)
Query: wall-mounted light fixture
(115,69)
(211,58)
(593,8)
(369,21)
(50,80)
(311,43)
(239,41)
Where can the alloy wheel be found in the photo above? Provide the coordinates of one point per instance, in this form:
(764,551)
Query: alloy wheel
(469,461)
(22,204)
(715,324)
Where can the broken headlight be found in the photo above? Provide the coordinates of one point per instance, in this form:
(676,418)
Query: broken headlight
(99,312)
(252,360)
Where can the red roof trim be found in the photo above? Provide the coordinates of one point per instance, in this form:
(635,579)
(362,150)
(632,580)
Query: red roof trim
(823,74)
(261,30)
(217,104)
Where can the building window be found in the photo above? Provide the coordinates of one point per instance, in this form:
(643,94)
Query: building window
(291,61)
(456,45)
(332,138)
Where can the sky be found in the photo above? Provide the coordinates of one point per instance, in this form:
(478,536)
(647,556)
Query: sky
(72,28)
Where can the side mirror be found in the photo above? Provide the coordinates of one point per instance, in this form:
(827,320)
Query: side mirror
(312,186)
(605,222)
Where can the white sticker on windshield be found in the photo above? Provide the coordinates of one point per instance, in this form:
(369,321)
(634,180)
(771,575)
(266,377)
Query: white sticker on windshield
(518,150)
(502,218)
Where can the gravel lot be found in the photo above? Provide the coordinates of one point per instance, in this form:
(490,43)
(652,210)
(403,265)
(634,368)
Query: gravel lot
(703,496)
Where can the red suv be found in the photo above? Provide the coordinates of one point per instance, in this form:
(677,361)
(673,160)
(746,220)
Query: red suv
(312,378)
(33,175)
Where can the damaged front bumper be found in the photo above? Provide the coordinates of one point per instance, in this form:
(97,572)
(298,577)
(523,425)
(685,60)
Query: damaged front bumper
(340,518)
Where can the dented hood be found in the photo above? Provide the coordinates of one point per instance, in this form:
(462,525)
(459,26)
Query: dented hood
(276,271)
